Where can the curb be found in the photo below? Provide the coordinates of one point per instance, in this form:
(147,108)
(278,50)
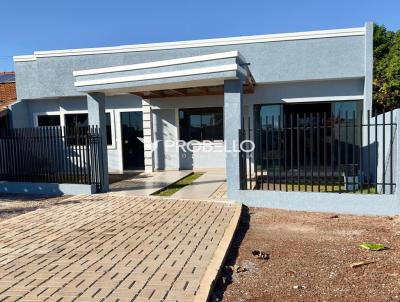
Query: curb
(214,268)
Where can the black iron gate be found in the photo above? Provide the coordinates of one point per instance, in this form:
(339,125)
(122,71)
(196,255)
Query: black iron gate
(316,153)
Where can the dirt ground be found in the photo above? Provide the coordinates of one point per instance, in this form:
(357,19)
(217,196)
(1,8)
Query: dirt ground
(12,204)
(310,258)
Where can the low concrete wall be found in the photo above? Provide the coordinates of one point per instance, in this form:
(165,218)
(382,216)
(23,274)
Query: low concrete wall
(45,188)
(359,204)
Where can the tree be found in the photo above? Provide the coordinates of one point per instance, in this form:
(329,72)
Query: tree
(386,84)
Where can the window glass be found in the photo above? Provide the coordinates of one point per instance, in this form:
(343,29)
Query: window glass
(79,121)
(268,113)
(108,126)
(350,108)
(48,120)
(201,124)
(76,120)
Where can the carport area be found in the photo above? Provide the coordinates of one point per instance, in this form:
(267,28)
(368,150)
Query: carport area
(113,247)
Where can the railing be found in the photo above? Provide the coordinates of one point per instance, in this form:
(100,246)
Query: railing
(347,153)
(51,155)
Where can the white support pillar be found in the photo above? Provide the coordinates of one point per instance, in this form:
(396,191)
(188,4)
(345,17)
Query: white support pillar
(97,117)
(147,136)
(368,81)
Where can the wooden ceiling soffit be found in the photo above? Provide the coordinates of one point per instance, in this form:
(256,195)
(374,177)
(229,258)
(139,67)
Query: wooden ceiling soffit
(194,91)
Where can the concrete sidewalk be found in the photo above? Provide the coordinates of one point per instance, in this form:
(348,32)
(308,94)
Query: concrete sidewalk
(203,187)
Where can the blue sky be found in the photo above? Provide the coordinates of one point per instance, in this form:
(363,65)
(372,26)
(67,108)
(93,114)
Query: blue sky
(51,24)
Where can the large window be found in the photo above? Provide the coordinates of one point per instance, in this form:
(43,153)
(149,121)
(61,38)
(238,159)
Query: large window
(80,121)
(48,120)
(201,124)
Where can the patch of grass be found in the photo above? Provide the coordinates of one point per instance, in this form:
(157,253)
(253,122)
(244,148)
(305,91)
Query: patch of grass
(171,189)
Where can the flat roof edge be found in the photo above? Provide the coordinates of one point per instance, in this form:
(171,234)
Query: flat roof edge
(358,31)
(24,58)
(160,63)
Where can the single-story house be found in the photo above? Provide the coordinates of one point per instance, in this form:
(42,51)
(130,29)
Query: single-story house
(201,90)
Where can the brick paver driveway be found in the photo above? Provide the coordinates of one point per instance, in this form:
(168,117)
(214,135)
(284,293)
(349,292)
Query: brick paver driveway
(115,248)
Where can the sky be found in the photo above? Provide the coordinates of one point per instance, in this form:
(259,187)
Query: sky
(29,26)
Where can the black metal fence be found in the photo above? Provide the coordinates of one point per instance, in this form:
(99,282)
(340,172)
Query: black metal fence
(344,153)
(52,155)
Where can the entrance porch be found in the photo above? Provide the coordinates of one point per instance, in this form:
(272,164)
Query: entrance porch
(225,74)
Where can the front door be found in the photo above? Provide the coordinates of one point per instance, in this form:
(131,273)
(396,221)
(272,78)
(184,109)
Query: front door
(132,146)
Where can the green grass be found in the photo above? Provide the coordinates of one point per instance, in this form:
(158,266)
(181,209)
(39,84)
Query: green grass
(171,189)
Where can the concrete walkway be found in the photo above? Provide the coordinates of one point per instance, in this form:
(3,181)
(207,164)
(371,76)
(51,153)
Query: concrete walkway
(113,247)
(203,187)
(145,184)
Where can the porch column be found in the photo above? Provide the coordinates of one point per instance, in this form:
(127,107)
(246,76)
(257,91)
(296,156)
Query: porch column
(233,103)
(147,136)
(368,82)
(97,117)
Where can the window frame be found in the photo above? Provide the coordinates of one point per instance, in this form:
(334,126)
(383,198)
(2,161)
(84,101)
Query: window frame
(63,114)
(46,115)
(201,110)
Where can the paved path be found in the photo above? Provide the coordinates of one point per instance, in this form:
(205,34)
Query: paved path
(204,186)
(146,184)
(220,193)
(116,248)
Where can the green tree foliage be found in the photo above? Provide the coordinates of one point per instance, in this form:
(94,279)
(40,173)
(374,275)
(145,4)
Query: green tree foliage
(386,68)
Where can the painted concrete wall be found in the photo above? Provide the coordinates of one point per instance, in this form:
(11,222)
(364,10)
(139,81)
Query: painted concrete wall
(283,61)
(385,142)
(45,188)
(165,129)
(360,204)
(20,116)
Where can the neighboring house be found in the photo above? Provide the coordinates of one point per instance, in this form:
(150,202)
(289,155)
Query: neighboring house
(200,90)
(7,95)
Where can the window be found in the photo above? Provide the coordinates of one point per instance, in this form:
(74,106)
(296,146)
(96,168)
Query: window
(80,121)
(48,120)
(201,124)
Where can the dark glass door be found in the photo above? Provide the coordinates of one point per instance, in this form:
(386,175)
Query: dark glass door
(132,146)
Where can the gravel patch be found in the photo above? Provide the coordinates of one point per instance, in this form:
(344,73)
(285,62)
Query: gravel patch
(311,257)
(12,205)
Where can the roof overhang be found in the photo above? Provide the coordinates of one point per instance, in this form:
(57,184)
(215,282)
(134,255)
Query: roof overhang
(196,75)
